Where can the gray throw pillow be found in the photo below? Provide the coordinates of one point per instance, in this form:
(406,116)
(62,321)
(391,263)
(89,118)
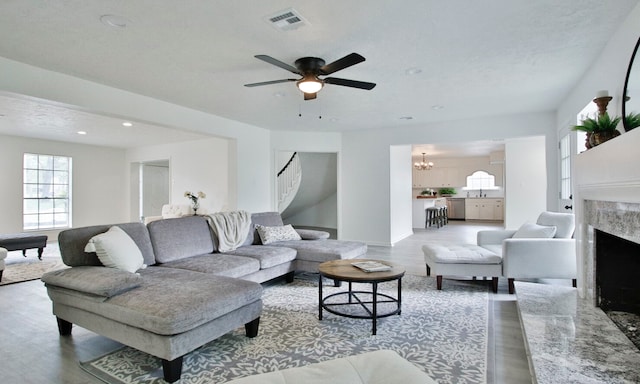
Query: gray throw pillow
(312,234)
(270,235)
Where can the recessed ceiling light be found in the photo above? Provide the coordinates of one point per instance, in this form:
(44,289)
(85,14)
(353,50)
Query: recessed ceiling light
(437,107)
(413,71)
(127,124)
(406,117)
(82,132)
(114,21)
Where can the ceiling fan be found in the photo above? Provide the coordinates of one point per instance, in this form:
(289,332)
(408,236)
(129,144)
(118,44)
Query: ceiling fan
(312,67)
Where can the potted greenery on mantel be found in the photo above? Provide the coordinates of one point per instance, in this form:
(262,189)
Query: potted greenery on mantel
(600,129)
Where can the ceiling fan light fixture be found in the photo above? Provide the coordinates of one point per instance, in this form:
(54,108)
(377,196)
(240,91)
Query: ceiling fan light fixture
(309,84)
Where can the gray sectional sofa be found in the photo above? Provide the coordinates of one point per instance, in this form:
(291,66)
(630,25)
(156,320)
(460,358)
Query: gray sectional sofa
(189,294)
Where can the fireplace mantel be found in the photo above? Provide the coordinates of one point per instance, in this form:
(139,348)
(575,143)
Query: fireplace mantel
(606,178)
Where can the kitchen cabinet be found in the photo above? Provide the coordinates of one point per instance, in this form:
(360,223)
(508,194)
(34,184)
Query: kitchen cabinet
(498,210)
(453,172)
(484,209)
(441,177)
(420,179)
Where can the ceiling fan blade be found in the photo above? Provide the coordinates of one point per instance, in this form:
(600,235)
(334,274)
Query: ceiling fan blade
(349,83)
(278,63)
(269,82)
(310,96)
(347,61)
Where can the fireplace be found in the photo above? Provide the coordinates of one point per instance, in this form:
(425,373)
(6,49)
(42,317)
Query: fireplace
(617,268)
(607,207)
(612,262)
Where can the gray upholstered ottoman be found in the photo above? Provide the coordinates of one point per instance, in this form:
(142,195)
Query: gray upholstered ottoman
(24,241)
(462,260)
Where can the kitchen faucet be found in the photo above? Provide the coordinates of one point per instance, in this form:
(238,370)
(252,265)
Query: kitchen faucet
(480,192)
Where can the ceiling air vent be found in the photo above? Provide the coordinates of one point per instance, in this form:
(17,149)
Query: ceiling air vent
(287,20)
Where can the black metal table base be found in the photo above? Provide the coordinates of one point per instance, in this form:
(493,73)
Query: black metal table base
(355,298)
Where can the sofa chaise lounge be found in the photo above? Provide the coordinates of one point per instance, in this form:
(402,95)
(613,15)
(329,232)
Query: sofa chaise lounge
(189,294)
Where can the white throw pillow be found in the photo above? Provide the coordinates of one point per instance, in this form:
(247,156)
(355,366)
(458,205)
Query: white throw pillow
(531,230)
(270,235)
(116,249)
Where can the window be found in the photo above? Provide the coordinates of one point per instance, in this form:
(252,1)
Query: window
(565,167)
(590,110)
(46,192)
(481,180)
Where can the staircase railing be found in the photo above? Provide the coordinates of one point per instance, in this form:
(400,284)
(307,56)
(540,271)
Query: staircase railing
(289,179)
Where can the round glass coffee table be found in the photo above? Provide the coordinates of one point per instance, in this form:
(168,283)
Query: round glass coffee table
(360,304)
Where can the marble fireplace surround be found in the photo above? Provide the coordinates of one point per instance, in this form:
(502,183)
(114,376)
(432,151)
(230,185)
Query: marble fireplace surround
(617,218)
(606,197)
(568,338)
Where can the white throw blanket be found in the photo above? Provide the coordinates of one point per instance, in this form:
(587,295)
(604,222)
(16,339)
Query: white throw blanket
(231,228)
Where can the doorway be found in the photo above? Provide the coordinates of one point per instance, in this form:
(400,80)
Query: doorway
(152,184)
(315,202)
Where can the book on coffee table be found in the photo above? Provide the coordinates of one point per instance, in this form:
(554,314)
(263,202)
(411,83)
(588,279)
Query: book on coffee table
(371,266)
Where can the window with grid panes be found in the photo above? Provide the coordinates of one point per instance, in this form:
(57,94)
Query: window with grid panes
(565,167)
(46,192)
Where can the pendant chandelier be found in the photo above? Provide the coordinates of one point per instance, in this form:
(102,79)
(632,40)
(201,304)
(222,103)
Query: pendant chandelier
(423,165)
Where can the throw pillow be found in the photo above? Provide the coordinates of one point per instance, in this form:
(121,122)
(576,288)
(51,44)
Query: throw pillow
(531,230)
(116,249)
(312,234)
(270,235)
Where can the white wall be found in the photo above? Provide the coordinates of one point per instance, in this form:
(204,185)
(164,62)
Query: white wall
(526,185)
(367,216)
(100,176)
(200,165)
(607,72)
(400,201)
(251,164)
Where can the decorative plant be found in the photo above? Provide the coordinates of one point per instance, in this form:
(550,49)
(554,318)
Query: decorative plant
(195,203)
(632,120)
(425,192)
(603,123)
(447,191)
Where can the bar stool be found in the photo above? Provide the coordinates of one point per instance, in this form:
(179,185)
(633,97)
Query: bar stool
(432,217)
(444,214)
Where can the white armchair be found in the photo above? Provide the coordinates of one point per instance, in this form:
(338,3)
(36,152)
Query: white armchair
(542,250)
(3,255)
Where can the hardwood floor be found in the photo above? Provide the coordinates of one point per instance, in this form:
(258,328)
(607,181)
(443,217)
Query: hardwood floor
(33,352)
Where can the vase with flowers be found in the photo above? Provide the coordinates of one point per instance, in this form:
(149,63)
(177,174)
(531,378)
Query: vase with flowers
(195,199)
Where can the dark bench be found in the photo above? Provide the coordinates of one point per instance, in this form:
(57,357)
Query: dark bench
(24,241)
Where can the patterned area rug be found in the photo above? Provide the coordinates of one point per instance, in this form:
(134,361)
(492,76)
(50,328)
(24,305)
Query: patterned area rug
(30,269)
(442,332)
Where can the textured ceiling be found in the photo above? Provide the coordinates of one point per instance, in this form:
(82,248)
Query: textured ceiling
(474,58)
